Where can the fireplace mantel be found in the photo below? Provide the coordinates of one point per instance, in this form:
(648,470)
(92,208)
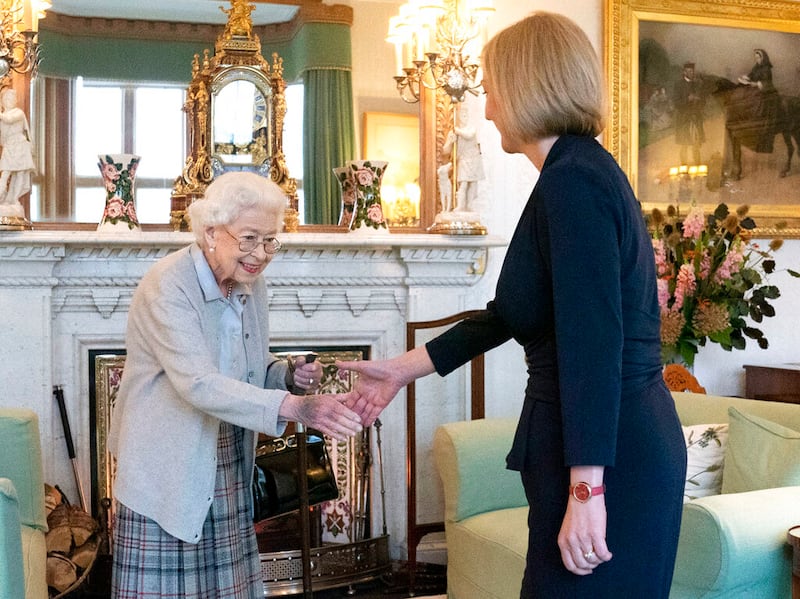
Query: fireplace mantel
(65,293)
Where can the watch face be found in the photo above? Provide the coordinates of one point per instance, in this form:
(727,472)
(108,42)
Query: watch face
(582,492)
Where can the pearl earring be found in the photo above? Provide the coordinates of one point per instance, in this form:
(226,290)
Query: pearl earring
(212,249)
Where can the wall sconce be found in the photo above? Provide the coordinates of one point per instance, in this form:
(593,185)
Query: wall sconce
(19,50)
(433,39)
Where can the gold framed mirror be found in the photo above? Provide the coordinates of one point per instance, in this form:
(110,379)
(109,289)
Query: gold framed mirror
(235,107)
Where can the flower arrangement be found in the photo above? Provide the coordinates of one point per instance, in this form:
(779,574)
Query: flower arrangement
(712,279)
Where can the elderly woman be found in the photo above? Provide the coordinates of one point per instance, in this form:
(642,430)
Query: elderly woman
(599,445)
(199,384)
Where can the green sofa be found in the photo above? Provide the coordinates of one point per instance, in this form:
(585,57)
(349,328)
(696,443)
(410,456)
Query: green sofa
(731,545)
(23,523)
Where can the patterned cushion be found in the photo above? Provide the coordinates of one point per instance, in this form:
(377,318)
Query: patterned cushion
(705,451)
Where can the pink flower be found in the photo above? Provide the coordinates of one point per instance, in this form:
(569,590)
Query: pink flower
(110,172)
(684,286)
(349,195)
(364,176)
(375,213)
(662,287)
(694,223)
(705,265)
(130,211)
(114,208)
(732,264)
(662,268)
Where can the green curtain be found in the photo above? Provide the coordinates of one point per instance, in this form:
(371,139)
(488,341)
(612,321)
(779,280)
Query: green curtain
(329,140)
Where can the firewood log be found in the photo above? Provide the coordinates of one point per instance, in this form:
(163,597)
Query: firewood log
(69,527)
(61,572)
(84,555)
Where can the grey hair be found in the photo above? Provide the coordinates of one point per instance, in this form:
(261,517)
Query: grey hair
(230,194)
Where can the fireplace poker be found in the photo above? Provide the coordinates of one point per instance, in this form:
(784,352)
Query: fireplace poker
(58,393)
(378,425)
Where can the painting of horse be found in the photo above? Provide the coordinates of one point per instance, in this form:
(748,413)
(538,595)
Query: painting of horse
(753,118)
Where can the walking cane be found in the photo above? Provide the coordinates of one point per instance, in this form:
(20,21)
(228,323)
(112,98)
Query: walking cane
(59,395)
(302,486)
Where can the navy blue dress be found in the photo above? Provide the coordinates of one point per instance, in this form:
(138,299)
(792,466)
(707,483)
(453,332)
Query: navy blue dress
(578,291)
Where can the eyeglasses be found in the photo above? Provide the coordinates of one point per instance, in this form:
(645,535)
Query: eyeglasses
(247,243)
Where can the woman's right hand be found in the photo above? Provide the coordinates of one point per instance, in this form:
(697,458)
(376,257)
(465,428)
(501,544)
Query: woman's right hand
(325,412)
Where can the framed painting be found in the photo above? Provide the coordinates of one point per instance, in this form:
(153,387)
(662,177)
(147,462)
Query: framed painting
(105,374)
(394,137)
(705,105)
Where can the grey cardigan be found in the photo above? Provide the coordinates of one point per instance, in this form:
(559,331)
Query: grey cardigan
(172,397)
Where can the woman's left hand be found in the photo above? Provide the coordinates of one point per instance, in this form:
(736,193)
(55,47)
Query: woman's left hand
(582,539)
(307,376)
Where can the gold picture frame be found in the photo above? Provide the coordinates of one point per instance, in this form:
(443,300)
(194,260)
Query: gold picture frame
(394,137)
(720,37)
(108,369)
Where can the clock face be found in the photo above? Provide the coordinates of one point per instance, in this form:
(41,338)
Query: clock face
(260,114)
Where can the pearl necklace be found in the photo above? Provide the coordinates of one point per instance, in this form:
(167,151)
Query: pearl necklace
(230,290)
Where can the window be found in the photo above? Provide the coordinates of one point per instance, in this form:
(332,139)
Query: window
(146,120)
(293,138)
(87,118)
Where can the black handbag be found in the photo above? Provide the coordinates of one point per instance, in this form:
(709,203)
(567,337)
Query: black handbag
(275,488)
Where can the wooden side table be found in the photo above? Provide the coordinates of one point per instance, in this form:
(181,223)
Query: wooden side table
(773,383)
(793,536)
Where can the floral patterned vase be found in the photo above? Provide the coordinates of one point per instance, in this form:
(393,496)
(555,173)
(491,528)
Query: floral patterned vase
(364,177)
(118,172)
(342,174)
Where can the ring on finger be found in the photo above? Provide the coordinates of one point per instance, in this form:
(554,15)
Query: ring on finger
(589,554)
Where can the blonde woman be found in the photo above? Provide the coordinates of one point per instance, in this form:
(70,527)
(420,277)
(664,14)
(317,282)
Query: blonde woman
(599,446)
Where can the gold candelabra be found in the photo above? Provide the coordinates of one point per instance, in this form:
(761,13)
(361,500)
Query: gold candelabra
(433,40)
(686,183)
(19,48)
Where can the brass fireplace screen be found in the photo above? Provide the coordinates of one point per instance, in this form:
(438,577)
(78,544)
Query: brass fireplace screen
(343,520)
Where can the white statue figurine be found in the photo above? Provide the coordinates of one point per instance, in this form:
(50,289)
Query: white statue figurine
(16,156)
(469,163)
(445,186)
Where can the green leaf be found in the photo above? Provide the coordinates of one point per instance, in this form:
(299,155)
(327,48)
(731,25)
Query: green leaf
(768,266)
(794,273)
(763,343)
(771,292)
(739,343)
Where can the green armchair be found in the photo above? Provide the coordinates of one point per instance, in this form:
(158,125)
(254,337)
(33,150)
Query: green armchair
(731,545)
(23,523)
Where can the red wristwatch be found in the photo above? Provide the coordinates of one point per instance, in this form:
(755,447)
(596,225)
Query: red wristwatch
(583,492)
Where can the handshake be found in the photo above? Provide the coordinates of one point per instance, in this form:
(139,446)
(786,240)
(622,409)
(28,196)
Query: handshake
(375,385)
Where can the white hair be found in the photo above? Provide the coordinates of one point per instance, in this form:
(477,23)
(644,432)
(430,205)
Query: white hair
(230,194)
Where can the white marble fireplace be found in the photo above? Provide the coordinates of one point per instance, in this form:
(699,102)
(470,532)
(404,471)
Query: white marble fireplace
(64,293)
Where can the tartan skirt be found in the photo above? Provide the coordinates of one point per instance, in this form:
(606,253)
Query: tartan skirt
(149,563)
